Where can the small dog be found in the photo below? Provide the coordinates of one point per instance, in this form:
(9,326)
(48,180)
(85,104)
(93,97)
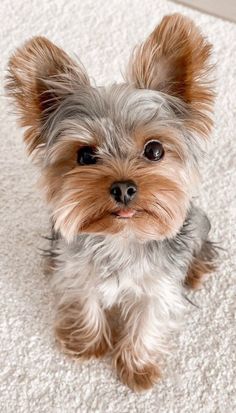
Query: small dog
(119,169)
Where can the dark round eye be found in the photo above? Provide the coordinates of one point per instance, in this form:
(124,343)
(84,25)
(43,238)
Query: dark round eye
(86,156)
(153,151)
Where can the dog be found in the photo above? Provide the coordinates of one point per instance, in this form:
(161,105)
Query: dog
(119,169)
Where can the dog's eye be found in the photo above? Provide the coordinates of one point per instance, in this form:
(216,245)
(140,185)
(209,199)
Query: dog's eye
(86,155)
(153,150)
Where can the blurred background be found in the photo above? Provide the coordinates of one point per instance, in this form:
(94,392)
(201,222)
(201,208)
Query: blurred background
(224,9)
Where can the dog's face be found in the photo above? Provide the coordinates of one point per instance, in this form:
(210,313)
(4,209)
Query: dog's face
(122,158)
(117,160)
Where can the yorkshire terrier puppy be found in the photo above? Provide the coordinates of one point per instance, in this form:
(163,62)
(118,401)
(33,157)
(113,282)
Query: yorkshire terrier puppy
(119,169)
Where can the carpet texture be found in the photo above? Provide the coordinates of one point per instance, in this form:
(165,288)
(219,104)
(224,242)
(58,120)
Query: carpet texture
(35,377)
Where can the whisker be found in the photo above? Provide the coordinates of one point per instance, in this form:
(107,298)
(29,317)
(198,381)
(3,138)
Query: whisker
(74,204)
(164,209)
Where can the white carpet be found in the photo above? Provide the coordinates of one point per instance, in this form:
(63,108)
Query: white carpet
(34,376)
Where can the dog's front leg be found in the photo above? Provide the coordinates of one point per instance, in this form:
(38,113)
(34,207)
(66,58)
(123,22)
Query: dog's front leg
(81,325)
(137,347)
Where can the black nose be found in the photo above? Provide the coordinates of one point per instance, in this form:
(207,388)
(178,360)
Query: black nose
(123,192)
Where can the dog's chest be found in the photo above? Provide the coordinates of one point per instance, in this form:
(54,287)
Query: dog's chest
(126,270)
(117,269)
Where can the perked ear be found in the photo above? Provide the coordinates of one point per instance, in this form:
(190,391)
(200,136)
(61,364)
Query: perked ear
(40,75)
(175,60)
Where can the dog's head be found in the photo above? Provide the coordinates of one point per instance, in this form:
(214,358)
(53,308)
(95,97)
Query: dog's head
(122,158)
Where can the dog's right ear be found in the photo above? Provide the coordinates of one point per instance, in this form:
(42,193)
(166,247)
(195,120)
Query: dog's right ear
(40,76)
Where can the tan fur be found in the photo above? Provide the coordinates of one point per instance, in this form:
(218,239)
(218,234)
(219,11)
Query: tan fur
(202,266)
(37,61)
(134,357)
(63,181)
(92,212)
(137,377)
(175,60)
(82,334)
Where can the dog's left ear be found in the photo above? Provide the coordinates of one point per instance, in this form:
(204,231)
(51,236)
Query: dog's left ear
(175,60)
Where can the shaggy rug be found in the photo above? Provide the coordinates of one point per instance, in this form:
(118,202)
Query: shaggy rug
(35,376)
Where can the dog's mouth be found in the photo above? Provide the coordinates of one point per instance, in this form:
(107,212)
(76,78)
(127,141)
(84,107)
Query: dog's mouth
(128,213)
(124,213)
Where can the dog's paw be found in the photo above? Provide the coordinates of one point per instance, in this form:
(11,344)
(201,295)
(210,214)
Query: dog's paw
(137,376)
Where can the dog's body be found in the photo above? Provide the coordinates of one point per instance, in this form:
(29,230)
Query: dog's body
(119,171)
(149,277)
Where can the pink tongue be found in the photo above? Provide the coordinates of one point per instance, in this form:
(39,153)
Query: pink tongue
(125,213)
